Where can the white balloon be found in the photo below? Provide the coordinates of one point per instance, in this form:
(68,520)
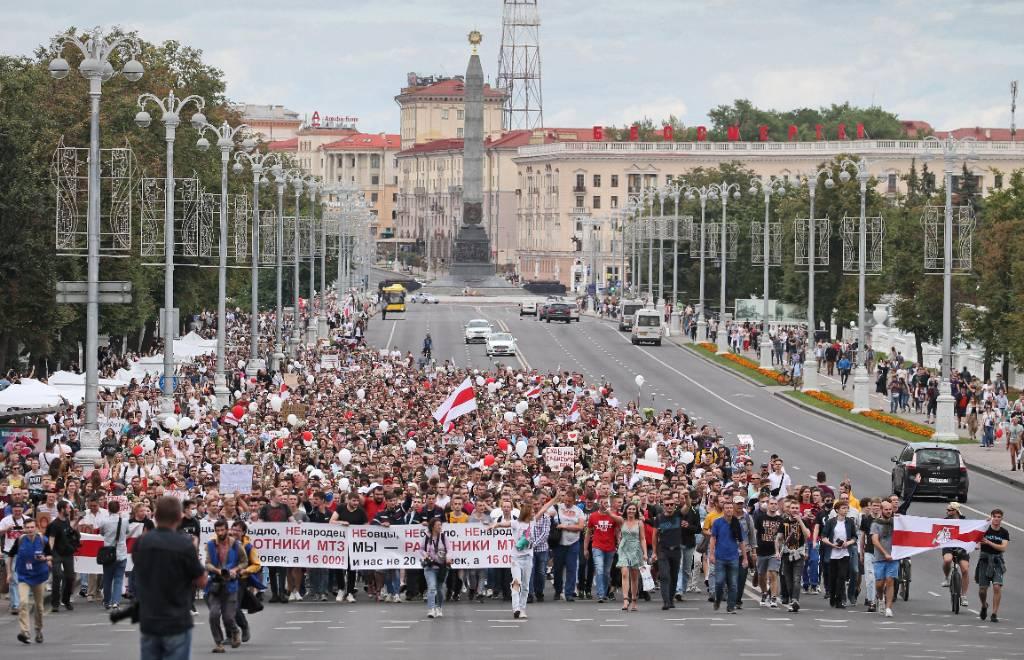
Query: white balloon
(148,444)
(651,454)
(238,394)
(519,384)
(686,457)
(170,422)
(510,416)
(276,403)
(337,381)
(410,445)
(344,485)
(185,423)
(521,448)
(556,380)
(384,426)
(310,379)
(345,455)
(241,364)
(639,380)
(479,381)
(361,394)
(476,371)
(492,387)
(522,407)
(292,420)
(253,407)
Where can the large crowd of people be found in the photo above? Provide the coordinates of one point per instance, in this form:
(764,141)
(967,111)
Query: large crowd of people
(355,444)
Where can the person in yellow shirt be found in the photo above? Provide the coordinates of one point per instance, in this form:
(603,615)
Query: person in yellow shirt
(847,489)
(455,514)
(249,577)
(713,514)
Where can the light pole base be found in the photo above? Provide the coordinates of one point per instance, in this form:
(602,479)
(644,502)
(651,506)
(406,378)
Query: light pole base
(220,390)
(810,376)
(702,331)
(293,343)
(945,429)
(322,330)
(766,351)
(673,323)
(166,404)
(861,395)
(723,339)
(311,332)
(275,360)
(89,455)
(253,367)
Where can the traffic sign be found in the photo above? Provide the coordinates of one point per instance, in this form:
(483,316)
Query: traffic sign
(110,293)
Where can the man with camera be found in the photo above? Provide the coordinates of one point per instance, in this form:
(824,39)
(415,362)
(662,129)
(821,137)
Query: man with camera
(167,573)
(31,557)
(225,561)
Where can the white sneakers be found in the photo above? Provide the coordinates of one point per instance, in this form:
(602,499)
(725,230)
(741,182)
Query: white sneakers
(294,596)
(963,601)
(350,598)
(945,583)
(430,612)
(340,598)
(435,613)
(888,613)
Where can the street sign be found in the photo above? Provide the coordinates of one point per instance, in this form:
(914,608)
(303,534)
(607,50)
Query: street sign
(172,323)
(174,383)
(110,293)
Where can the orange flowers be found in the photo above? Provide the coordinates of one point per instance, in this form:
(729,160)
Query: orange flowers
(831,400)
(911,427)
(747,363)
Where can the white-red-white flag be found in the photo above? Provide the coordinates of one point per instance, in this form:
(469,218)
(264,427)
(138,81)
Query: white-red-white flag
(574,410)
(461,401)
(912,535)
(650,469)
(533,392)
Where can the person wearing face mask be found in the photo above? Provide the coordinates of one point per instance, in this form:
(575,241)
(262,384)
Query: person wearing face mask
(189,526)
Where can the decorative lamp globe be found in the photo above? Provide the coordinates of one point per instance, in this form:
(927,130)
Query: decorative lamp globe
(59,68)
(132,70)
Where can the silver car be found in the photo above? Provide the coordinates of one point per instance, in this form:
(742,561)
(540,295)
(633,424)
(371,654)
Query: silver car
(501,343)
(478,330)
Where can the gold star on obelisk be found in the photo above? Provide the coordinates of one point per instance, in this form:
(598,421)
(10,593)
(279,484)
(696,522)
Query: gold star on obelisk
(475,38)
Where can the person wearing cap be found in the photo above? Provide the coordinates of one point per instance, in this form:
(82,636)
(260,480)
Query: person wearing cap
(958,555)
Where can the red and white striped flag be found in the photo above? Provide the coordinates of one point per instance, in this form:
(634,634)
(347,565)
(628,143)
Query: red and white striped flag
(230,419)
(574,410)
(650,469)
(461,401)
(533,392)
(912,535)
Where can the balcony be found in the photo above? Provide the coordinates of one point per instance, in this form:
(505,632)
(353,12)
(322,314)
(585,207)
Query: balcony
(580,210)
(579,189)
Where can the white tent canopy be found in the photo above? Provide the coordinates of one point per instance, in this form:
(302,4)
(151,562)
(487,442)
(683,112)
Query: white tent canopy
(29,394)
(72,386)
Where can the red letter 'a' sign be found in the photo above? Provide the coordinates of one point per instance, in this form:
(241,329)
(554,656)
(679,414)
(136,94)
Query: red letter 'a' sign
(762,133)
(819,132)
(598,133)
(316,119)
(634,133)
(666,133)
(842,132)
(733,133)
(792,132)
(860,131)
(702,134)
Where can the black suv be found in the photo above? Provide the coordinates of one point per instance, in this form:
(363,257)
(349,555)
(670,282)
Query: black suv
(558,312)
(942,469)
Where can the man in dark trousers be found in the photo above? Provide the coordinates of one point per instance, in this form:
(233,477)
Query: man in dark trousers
(63,545)
(167,574)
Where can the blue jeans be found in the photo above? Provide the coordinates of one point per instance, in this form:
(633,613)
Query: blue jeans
(566,560)
(392,582)
(812,573)
(113,582)
(540,570)
(319,580)
(15,599)
(602,570)
(854,575)
(685,566)
(166,647)
(435,598)
(726,573)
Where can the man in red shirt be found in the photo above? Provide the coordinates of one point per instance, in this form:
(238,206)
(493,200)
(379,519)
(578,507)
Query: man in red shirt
(601,539)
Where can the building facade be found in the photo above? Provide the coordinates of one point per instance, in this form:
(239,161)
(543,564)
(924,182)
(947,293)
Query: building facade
(432,108)
(270,122)
(560,183)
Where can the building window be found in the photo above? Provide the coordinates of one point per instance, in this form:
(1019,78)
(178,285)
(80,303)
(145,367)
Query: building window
(458,132)
(634,183)
(460,114)
(394,197)
(891,187)
(998,183)
(373,197)
(615,201)
(579,201)
(352,161)
(375,180)
(444,114)
(374,160)
(615,181)
(597,201)
(580,182)
(597,180)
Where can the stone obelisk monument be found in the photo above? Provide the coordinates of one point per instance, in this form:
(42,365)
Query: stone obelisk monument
(472,258)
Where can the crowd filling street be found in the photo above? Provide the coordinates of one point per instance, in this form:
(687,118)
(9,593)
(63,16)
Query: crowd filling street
(643,508)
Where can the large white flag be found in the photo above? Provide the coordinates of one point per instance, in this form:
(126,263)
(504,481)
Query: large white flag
(461,401)
(912,535)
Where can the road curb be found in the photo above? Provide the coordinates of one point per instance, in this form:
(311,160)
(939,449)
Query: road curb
(885,436)
(696,352)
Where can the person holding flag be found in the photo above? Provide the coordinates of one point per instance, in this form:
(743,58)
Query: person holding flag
(461,401)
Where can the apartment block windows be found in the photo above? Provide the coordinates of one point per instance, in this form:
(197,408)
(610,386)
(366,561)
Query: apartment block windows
(597,180)
(597,201)
(615,181)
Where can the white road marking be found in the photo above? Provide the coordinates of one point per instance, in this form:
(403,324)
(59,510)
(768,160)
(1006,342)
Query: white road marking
(392,335)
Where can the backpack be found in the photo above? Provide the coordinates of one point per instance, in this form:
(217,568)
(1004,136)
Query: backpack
(74,538)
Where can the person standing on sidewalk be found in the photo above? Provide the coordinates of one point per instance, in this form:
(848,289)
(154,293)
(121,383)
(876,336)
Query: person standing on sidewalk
(64,540)
(31,559)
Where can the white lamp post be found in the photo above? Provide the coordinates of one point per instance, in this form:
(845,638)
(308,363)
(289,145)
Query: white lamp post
(95,67)
(715,191)
(810,370)
(768,185)
(861,400)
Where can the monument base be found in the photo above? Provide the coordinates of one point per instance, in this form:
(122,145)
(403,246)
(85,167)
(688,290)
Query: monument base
(471,263)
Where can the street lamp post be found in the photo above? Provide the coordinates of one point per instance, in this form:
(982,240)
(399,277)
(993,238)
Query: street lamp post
(170,108)
(703,193)
(861,400)
(295,176)
(767,185)
(95,67)
(810,370)
(281,179)
(312,187)
(952,151)
(259,163)
(715,191)
(675,190)
(226,143)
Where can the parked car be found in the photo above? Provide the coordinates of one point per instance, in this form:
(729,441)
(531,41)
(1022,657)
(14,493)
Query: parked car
(500,343)
(528,307)
(478,330)
(941,466)
(558,311)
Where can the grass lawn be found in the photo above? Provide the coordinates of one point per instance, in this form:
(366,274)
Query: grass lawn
(865,421)
(739,368)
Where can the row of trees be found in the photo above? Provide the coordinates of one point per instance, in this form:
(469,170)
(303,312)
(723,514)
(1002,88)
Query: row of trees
(35,111)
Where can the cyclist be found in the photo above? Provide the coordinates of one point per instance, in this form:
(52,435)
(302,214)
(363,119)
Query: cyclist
(959,555)
(428,345)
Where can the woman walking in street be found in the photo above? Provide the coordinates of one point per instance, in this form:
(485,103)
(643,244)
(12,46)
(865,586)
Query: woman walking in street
(522,555)
(435,564)
(632,550)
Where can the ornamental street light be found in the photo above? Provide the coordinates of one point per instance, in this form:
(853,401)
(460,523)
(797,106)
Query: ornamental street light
(810,370)
(716,190)
(768,186)
(312,185)
(704,193)
(861,402)
(295,176)
(96,50)
(226,143)
(259,163)
(953,150)
(281,179)
(170,108)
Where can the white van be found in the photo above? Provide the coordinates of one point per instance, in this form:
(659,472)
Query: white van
(647,326)
(627,310)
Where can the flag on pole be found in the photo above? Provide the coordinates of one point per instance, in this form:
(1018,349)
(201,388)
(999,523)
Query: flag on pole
(912,535)
(574,410)
(650,469)
(533,392)
(461,401)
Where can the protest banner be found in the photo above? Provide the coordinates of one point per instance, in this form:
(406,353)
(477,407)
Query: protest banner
(85,556)
(26,439)
(330,362)
(559,458)
(235,478)
(291,380)
(477,546)
(299,545)
(380,548)
(297,409)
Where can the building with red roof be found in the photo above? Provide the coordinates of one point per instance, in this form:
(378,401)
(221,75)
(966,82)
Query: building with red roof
(432,109)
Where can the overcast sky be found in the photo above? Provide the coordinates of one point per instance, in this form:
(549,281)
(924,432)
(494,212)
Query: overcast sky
(604,62)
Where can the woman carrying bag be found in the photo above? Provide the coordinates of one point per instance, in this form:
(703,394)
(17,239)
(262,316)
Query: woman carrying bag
(435,566)
(523,533)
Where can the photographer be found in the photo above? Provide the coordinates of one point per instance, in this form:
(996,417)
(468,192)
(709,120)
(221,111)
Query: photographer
(167,573)
(225,561)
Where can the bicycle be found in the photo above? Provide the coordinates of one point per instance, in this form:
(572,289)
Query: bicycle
(955,587)
(903,580)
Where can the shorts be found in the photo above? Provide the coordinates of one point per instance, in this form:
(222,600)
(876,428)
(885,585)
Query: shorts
(886,569)
(993,574)
(766,564)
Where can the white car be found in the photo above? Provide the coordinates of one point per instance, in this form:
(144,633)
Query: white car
(478,330)
(528,307)
(429,299)
(501,343)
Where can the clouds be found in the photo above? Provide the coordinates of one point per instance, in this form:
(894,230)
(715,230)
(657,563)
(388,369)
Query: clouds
(604,61)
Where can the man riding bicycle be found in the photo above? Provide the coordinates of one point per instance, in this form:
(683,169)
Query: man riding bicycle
(959,555)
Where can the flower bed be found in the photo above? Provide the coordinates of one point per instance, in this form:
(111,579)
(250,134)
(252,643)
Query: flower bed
(747,363)
(891,420)
(831,400)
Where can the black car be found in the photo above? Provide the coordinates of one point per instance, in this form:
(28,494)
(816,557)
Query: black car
(942,469)
(557,312)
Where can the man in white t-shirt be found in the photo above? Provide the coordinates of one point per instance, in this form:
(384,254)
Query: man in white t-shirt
(778,480)
(90,523)
(568,518)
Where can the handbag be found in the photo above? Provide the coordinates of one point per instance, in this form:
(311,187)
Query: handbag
(108,554)
(646,578)
(250,603)
(555,535)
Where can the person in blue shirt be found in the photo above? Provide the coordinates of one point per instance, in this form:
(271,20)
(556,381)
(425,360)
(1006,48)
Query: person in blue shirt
(727,551)
(31,555)
(225,561)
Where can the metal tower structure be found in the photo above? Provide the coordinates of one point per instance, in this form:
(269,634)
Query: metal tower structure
(519,65)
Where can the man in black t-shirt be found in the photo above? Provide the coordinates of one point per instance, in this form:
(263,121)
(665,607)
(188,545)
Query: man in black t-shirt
(352,513)
(63,547)
(168,573)
(668,543)
(189,526)
(766,526)
(991,567)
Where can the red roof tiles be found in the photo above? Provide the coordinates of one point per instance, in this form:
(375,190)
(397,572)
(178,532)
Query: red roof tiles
(284,145)
(452,87)
(363,141)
